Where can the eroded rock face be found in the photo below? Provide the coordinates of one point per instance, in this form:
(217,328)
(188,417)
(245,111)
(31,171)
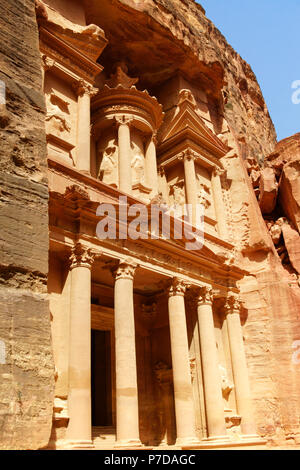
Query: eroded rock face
(26,366)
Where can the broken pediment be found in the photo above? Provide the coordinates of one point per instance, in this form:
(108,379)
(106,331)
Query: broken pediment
(187,123)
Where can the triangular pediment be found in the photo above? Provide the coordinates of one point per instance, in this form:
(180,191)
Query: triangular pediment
(187,121)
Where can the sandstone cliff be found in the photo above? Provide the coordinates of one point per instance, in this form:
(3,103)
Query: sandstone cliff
(26,365)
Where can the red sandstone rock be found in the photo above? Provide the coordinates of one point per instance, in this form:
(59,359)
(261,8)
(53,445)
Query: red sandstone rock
(292,243)
(268,191)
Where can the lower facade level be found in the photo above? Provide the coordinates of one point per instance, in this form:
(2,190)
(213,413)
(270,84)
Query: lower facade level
(144,358)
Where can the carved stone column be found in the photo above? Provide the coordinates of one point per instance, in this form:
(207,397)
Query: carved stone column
(151,166)
(211,375)
(183,392)
(239,366)
(190,182)
(84,92)
(124,142)
(79,398)
(126,374)
(219,203)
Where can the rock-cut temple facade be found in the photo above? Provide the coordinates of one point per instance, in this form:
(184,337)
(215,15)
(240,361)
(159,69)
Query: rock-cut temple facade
(122,342)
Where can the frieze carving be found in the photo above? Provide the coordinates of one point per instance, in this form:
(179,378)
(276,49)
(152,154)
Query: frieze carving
(124,270)
(82,256)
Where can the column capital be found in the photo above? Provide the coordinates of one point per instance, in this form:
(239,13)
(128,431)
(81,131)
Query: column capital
(124,119)
(124,270)
(233,304)
(47,62)
(188,155)
(81,87)
(205,295)
(153,138)
(217,171)
(177,287)
(82,256)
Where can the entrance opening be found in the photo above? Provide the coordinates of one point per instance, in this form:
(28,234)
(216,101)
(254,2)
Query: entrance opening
(101,378)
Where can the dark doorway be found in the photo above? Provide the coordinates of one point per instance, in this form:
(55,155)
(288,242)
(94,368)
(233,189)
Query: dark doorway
(101,378)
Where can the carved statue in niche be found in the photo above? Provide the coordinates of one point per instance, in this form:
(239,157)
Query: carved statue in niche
(227,386)
(177,196)
(57,114)
(137,161)
(108,155)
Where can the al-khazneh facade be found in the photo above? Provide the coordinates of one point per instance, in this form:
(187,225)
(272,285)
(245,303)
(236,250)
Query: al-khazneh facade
(148,338)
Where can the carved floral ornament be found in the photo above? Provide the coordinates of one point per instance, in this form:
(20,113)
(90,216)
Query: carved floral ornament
(82,256)
(124,270)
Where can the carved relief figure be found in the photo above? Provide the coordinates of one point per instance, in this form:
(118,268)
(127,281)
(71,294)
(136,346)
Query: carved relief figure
(137,161)
(57,114)
(108,157)
(204,195)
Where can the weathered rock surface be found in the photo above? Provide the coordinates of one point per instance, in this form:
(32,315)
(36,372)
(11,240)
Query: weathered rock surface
(26,366)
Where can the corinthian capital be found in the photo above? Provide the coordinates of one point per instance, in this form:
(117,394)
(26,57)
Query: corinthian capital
(82,256)
(124,270)
(233,304)
(178,287)
(123,119)
(81,87)
(217,171)
(205,295)
(47,62)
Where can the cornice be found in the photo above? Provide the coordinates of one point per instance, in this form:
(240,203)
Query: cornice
(67,60)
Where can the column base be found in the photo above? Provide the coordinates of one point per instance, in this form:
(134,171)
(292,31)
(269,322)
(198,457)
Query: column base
(80,444)
(130,443)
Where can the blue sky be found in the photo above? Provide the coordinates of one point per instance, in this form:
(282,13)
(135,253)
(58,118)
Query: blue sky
(266,33)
